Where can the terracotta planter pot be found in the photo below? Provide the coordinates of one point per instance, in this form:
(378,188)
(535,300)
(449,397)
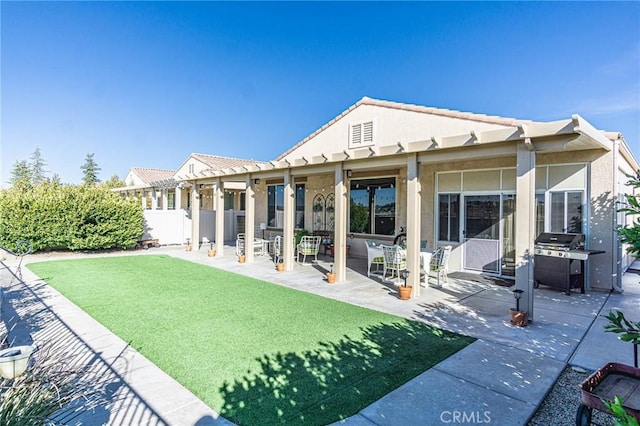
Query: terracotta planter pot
(280,267)
(188,248)
(519,318)
(211,252)
(404,293)
(242,258)
(331,277)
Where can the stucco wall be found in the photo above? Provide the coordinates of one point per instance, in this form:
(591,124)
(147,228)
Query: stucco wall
(390,127)
(602,213)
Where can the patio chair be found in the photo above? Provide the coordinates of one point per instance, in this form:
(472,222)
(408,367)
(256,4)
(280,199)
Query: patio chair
(375,256)
(395,260)
(277,249)
(440,265)
(239,244)
(308,246)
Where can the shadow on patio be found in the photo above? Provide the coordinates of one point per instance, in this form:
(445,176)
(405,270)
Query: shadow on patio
(471,304)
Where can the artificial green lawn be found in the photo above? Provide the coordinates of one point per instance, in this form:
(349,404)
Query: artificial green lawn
(256,352)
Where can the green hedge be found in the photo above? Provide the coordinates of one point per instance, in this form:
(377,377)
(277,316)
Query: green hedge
(68,217)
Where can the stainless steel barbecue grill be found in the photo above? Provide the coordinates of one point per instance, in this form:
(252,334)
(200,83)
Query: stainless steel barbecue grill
(559,261)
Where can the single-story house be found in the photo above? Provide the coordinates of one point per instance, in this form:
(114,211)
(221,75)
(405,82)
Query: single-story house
(167,202)
(485,185)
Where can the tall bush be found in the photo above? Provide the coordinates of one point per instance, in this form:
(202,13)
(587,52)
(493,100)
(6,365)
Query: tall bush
(71,217)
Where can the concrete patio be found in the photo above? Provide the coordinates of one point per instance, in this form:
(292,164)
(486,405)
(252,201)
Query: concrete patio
(501,378)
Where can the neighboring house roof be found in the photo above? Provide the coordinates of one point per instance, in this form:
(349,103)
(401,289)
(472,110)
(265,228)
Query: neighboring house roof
(218,162)
(149,176)
(492,119)
(209,163)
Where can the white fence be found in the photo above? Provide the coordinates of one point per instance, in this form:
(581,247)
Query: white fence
(167,226)
(174,226)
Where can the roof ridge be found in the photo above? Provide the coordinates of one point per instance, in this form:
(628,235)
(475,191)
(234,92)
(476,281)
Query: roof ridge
(154,169)
(496,119)
(365,100)
(226,157)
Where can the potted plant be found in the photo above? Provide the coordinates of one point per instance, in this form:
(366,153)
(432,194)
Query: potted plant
(299,234)
(404,291)
(331,276)
(518,318)
(188,246)
(212,251)
(242,258)
(280,266)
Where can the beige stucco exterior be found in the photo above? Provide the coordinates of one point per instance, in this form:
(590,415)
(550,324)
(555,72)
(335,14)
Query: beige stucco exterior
(425,150)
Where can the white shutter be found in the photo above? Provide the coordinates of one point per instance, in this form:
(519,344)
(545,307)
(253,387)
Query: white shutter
(356,134)
(368,133)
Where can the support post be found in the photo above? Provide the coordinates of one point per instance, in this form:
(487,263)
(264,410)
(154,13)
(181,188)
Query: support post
(165,199)
(249,218)
(413,222)
(525,223)
(288,247)
(219,206)
(195,216)
(340,229)
(154,199)
(177,198)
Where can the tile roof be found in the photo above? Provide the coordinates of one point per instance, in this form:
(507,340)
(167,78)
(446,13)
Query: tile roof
(217,162)
(151,175)
(493,119)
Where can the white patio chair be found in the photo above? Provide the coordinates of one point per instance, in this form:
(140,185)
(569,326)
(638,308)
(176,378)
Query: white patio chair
(277,249)
(440,265)
(375,256)
(395,260)
(240,244)
(309,246)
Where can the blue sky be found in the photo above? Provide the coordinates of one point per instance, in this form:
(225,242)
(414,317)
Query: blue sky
(145,84)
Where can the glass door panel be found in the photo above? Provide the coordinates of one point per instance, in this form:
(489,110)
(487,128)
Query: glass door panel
(482,233)
(508,235)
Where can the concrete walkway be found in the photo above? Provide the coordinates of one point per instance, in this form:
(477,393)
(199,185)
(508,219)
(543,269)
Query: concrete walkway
(500,379)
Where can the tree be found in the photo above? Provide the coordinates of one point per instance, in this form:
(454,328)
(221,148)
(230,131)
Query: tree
(90,169)
(37,167)
(55,179)
(630,234)
(20,174)
(114,182)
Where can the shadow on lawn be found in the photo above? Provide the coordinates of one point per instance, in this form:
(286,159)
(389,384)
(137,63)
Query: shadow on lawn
(337,379)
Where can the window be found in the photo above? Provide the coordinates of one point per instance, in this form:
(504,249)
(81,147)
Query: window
(373,206)
(449,217)
(539,214)
(361,134)
(299,196)
(566,212)
(275,206)
(228,200)
(171,200)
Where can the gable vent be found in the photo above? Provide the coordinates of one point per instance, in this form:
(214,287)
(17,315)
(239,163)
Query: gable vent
(361,135)
(367,130)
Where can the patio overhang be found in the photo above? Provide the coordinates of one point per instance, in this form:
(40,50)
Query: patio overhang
(572,134)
